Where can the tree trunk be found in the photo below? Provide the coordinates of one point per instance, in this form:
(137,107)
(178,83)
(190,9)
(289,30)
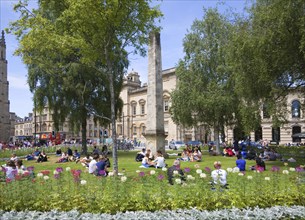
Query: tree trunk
(114,139)
(216,138)
(84,137)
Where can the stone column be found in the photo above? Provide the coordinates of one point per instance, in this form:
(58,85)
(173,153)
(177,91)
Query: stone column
(154,134)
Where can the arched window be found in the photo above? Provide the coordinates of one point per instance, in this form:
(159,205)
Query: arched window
(296,109)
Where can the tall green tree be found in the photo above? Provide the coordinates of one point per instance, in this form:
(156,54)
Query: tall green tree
(205,93)
(267,55)
(97,34)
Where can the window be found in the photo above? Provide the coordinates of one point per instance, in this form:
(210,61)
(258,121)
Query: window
(265,111)
(142,109)
(295,109)
(134,109)
(276,134)
(134,130)
(166,106)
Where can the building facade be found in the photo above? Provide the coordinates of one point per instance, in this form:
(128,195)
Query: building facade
(132,123)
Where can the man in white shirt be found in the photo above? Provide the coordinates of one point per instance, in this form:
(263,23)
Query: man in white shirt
(219,176)
(92,165)
(159,161)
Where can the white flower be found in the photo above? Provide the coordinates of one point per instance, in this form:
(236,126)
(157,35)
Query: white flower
(203,175)
(55,172)
(46,177)
(83,182)
(285,172)
(68,169)
(229,169)
(152,172)
(235,170)
(292,169)
(240,174)
(39,175)
(111,174)
(178,181)
(20,171)
(190,177)
(138,171)
(249,177)
(123,178)
(175,172)
(199,171)
(164,169)
(267,178)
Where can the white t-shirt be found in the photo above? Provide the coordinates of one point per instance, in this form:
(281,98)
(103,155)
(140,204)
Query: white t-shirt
(160,162)
(219,176)
(92,166)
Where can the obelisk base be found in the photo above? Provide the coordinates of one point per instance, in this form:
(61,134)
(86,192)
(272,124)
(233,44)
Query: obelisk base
(156,141)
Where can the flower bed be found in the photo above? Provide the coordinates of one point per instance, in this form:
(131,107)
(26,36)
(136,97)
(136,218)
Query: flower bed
(67,189)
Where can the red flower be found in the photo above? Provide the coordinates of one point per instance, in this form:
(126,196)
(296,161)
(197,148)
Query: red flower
(18,177)
(45,172)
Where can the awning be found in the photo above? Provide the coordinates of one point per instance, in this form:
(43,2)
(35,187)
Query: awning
(299,135)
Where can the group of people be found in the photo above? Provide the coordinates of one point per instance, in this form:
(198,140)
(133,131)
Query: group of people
(147,159)
(191,154)
(68,156)
(13,167)
(39,156)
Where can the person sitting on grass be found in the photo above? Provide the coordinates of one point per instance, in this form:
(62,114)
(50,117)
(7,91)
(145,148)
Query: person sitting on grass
(159,161)
(184,155)
(196,156)
(101,167)
(63,159)
(241,163)
(219,176)
(146,162)
(140,155)
(76,156)
(42,157)
(85,160)
(11,170)
(92,165)
(14,157)
(58,152)
(19,166)
(173,171)
(260,165)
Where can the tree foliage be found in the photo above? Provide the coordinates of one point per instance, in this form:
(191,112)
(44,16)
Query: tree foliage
(204,93)
(78,50)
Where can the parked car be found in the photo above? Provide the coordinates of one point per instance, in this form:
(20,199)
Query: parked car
(176,144)
(194,143)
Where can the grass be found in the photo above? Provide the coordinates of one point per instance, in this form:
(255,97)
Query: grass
(128,165)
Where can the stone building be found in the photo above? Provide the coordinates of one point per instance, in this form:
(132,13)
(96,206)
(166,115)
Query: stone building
(295,123)
(132,123)
(5,116)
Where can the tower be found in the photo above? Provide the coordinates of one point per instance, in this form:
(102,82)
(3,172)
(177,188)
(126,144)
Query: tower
(154,134)
(4,102)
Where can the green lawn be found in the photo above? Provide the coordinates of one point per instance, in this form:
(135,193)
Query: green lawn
(128,164)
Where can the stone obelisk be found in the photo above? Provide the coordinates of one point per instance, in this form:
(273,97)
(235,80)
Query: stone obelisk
(154,134)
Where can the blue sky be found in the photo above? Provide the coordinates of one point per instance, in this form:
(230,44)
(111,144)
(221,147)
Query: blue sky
(178,18)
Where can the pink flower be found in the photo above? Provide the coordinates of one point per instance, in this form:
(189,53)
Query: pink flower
(208,169)
(141,174)
(59,169)
(187,169)
(160,177)
(30,168)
